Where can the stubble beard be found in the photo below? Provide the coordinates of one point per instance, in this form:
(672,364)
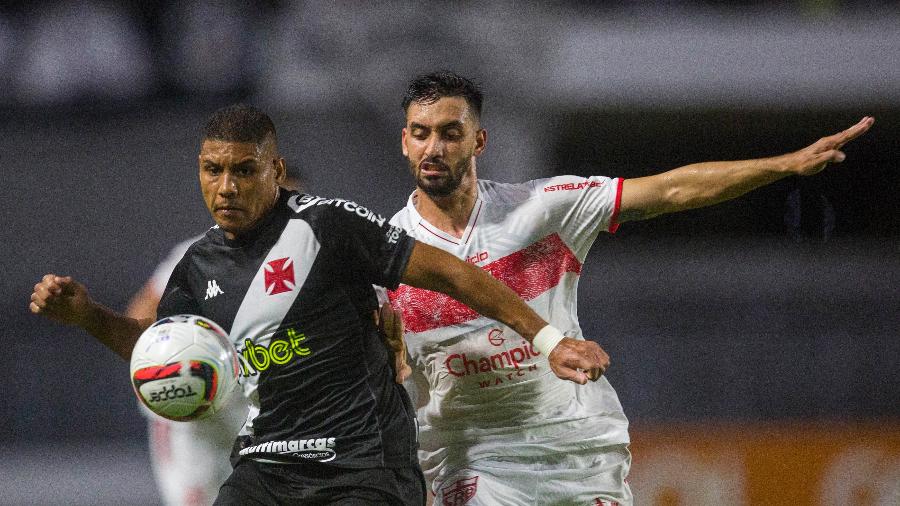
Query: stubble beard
(444,186)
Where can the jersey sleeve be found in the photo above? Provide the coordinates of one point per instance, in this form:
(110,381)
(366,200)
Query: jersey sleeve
(581,206)
(366,245)
(177,297)
(160,277)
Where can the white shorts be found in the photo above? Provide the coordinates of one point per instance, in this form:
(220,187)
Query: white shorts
(595,477)
(191,459)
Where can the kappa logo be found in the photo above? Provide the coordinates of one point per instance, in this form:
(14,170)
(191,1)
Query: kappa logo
(459,492)
(212,289)
(279,276)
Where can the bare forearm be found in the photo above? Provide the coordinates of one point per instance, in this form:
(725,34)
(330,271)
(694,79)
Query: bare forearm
(709,183)
(437,270)
(493,299)
(434,269)
(62,299)
(705,184)
(117,332)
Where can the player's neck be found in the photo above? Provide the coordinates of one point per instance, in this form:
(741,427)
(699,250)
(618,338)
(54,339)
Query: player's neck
(450,214)
(251,231)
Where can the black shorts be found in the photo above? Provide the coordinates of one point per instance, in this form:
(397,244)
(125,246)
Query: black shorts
(257,483)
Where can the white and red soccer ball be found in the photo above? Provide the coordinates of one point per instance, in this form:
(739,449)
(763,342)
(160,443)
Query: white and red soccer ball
(184,368)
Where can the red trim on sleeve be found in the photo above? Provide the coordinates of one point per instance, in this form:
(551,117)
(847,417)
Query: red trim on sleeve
(613,224)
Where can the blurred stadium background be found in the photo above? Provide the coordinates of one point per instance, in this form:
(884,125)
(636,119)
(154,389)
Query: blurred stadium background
(755,344)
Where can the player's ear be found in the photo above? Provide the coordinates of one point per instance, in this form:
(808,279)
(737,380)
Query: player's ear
(403,135)
(280,171)
(480,141)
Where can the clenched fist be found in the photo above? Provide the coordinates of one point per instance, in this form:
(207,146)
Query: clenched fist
(62,299)
(578,360)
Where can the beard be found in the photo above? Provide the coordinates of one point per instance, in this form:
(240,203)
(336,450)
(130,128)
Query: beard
(445,184)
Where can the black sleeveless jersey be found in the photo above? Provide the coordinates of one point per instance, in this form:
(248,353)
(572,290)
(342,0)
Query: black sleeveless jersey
(296,297)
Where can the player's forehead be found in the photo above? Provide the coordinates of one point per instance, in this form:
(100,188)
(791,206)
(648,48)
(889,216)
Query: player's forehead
(218,150)
(443,111)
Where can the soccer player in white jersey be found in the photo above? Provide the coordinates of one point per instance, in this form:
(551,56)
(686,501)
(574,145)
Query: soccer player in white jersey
(495,426)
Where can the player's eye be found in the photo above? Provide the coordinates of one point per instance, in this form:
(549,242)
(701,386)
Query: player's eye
(243,170)
(453,134)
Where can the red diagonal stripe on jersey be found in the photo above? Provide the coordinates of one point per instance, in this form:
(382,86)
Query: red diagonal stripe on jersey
(529,272)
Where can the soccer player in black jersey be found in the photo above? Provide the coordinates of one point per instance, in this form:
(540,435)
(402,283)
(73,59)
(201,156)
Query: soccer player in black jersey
(290,277)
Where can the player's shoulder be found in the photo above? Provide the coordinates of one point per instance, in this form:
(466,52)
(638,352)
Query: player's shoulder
(212,236)
(566,184)
(176,254)
(178,251)
(404,217)
(315,209)
(188,251)
(511,193)
(180,248)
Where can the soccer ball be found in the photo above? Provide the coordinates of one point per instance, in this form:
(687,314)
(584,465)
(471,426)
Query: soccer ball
(184,368)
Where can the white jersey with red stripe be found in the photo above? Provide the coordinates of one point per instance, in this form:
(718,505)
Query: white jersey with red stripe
(480,389)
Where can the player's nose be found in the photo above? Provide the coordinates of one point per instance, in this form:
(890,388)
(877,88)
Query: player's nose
(434,148)
(227,185)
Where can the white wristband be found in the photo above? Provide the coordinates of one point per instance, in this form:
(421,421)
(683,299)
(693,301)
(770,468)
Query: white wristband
(547,339)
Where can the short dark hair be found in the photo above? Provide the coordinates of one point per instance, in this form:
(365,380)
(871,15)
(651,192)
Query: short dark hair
(239,123)
(429,88)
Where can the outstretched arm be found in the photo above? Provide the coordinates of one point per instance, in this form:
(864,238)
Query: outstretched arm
(434,269)
(65,300)
(704,184)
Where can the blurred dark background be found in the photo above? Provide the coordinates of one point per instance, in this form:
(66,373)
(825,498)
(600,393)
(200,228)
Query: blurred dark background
(779,306)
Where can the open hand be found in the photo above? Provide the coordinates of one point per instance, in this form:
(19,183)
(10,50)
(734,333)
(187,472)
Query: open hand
(813,158)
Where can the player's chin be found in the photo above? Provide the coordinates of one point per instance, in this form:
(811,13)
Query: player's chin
(231,225)
(436,186)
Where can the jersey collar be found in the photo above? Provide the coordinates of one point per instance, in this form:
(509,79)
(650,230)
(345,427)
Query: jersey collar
(423,224)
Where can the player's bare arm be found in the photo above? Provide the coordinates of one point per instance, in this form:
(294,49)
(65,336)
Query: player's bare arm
(434,269)
(65,300)
(704,184)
